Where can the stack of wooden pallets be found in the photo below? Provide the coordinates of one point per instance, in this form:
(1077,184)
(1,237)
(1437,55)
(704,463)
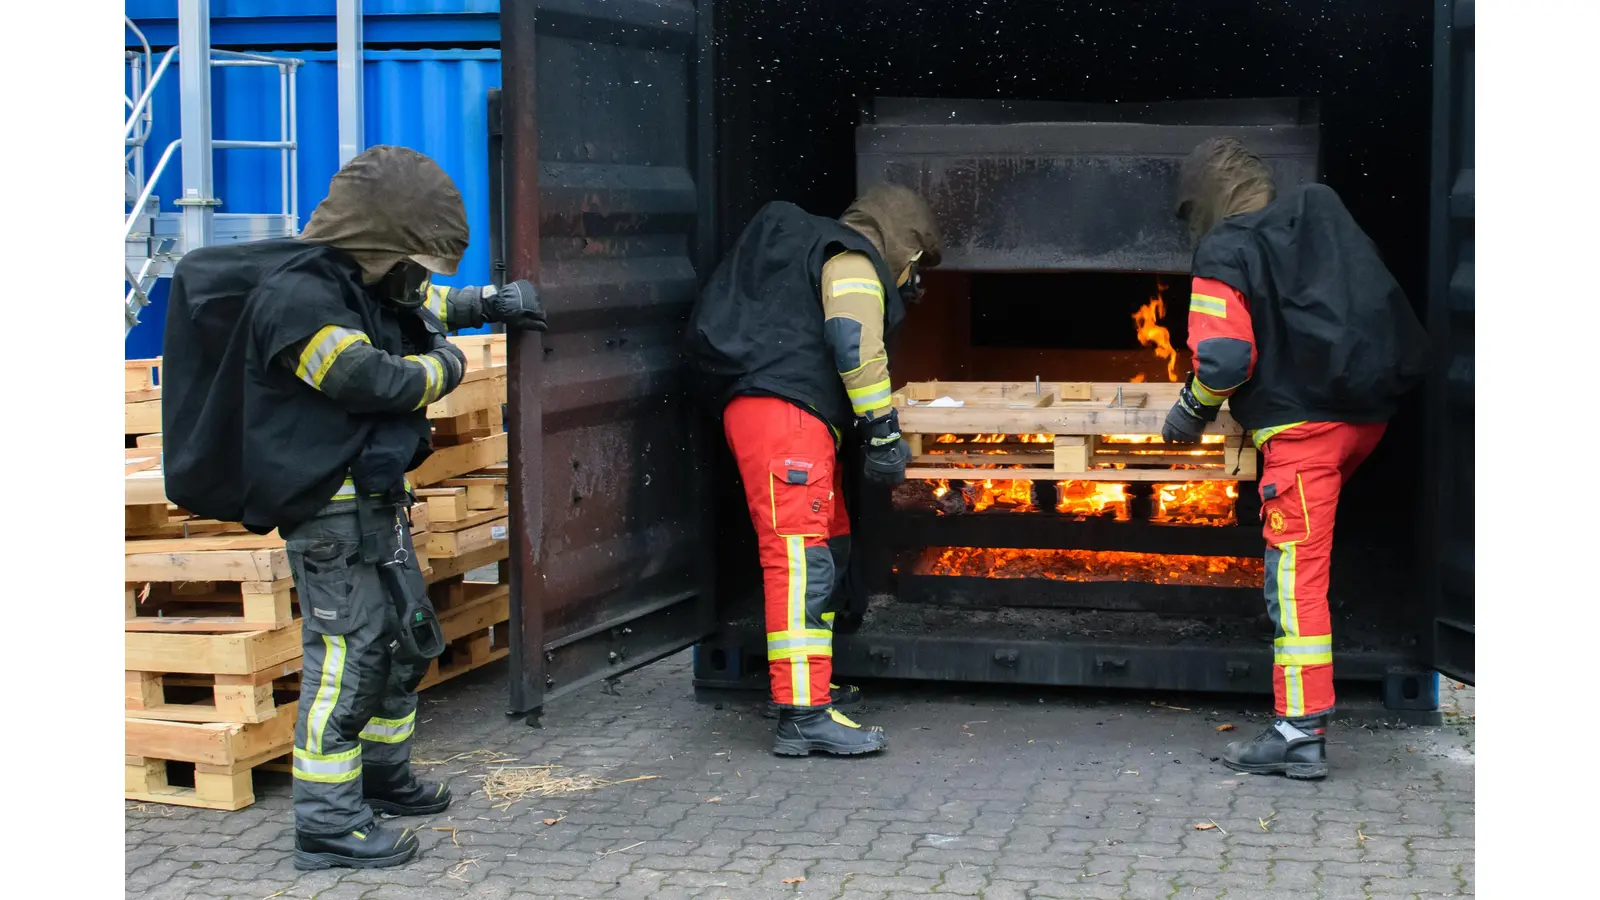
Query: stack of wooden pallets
(213,628)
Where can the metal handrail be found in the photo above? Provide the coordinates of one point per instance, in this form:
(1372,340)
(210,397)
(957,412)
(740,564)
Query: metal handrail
(149,91)
(149,188)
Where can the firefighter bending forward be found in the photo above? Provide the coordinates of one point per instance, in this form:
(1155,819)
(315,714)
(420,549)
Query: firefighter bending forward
(297,379)
(786,345)
(1295,321)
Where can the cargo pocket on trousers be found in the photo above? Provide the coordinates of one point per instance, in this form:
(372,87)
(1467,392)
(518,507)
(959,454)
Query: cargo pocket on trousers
(325,577)
(1283,517)
(801,489)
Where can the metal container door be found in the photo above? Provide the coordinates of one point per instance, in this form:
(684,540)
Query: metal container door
(1450,323)
(606,201)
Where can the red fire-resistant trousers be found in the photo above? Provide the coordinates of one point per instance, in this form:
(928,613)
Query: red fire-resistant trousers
(1306,465)
(792,483)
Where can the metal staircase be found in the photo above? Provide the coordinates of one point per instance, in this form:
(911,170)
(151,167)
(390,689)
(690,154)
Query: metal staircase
(155,240)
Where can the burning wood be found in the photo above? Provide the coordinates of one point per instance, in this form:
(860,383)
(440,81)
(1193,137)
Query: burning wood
(1093,565)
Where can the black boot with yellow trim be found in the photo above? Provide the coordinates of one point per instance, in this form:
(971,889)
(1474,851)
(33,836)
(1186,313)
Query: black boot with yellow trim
(394,791)
(803,730)
(1296,748)
(372,847)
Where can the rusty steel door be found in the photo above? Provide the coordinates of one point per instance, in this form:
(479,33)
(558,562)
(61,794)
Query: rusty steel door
(605,137)
(1450,324)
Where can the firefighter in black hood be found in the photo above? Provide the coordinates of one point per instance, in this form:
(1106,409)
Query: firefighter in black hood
(296,381)
(786,348)
(1297,324)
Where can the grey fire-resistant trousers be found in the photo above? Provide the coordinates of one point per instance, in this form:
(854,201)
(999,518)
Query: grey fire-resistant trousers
(358,703)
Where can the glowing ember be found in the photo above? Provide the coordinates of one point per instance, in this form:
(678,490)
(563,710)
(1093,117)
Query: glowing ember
(1093,499)
(1152,334)
(1196,503)
(1094,565)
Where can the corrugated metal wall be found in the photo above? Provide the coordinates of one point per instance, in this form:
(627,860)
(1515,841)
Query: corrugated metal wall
(304,23)
(430,100)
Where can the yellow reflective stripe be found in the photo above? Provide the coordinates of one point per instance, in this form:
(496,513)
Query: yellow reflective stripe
(803,633)
(1208,305)
(1288,612)
(867,286)
(1206,395)
(827,617)
(799,653)
(1261,435)
(433,378)
(1294,692)
(331,768)
(800,680)
(389,731)
(1303,651)
(871,397)
(347,490)
(327,697)
(796,552)
(321,351)
(436,300)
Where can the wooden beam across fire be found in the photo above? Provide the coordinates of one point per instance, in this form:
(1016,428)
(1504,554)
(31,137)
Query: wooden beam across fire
(1062,431)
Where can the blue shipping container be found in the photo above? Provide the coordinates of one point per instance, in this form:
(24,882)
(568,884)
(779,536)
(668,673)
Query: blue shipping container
(434,101)
(278,23)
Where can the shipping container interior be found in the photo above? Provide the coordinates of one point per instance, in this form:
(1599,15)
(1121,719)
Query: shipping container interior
(792,81)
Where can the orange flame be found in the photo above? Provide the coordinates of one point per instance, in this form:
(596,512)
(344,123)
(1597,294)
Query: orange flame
(1150,333)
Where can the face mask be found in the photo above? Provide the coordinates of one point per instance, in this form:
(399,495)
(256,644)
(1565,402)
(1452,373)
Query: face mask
(405,285)
(911,289)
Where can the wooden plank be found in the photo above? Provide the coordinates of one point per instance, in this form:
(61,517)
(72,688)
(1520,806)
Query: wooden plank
(148,440)
(144,488)
(143,417)
(210,654)
(472,519)
(452,462)
(445,568)
(1174,476)
(444,504)
(486,604)
(1055,420)
(448,544)
(477,395)
(207,565)
(254,606)
(216,744)
(268,541)
(141,374)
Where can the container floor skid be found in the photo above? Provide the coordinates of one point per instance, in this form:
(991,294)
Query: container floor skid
(1069,648)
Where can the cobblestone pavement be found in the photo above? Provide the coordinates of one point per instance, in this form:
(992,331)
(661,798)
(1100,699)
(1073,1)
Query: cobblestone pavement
(1002,795)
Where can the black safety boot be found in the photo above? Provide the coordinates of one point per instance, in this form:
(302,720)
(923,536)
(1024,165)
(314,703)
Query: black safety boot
(372,847)
(1292,747)
(803,730)
(844,697)
(394,791)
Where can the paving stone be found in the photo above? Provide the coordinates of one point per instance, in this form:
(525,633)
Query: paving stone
(975,813)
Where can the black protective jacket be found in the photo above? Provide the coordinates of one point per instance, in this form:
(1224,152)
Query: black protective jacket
(1336,339)
(244,438)
(757,328)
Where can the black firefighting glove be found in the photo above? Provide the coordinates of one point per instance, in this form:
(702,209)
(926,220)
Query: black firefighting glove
(886,454)
(516,305)
(1188,418)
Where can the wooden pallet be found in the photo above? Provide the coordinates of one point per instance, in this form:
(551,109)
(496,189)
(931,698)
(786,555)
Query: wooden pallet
(1061,431)
(223,757)
(244,699)
(209,606)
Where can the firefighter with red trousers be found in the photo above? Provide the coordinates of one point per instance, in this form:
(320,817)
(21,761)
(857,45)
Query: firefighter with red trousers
(786,347)
(1294,321)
